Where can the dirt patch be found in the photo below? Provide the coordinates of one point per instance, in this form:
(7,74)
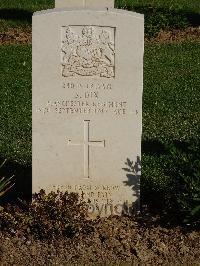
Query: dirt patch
(176,36)
(112,241)
(21,36)
(16,36)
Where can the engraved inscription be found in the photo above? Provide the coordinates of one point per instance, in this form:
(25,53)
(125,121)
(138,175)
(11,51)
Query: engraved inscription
(93,193)
(87,143)
(88,51)
(84,106)
(99,198)
(89,86)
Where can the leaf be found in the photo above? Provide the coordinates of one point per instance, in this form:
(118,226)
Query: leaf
(126,169)
(3,163)
(5,185)
(195,211)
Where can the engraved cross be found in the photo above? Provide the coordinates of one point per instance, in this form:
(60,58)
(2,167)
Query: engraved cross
(86,144)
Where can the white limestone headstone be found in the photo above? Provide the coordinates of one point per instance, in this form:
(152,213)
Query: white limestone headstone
(84,3)
(87,105)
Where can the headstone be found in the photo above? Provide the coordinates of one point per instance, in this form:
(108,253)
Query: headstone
(84,3)
(87,105)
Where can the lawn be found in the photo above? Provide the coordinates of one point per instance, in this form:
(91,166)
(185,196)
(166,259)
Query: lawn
(171,115)
(15,103)
(34,5)
(185,5)
(171,101)
(171,92)
(159,14)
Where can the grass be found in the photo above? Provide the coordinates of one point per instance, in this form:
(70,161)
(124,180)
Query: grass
(193,5)
(15,103)
(34,5)
(159,14)
(171,119)
(171,128)
(171,100)
(171,92)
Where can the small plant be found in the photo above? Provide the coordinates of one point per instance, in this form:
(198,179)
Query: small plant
(171,182)
(185,168)
(5,183)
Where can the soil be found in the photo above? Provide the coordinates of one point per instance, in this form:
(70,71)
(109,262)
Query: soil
(176,36)
(22,36)
(16,36)
(108,241)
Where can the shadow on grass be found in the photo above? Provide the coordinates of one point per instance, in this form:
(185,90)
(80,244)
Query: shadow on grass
(22,190)
(157,18)
(175,195)
(149,10)
(153,147)
(154,194)
(16,14)
(192,18)
(153,15)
